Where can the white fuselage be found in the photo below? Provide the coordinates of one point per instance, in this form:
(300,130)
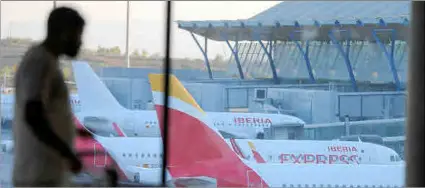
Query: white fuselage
(147,152)
(144,156)
(319,152)
(145,122)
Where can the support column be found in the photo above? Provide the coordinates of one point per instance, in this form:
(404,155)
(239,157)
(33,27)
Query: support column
(305,55)
(345,54)
(235,54)
(389,55)
(204,52)
(269,56)
(54,4)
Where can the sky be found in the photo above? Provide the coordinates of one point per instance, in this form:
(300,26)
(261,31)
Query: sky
(106,22)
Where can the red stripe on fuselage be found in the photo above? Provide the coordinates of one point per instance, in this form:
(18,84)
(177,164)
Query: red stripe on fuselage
(196,150)
(258,157)
(94,160)
(118,130)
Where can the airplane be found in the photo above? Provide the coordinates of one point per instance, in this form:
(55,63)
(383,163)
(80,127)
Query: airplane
(198,154)
(317,152)
(288,151)
(99,107)
(302,151)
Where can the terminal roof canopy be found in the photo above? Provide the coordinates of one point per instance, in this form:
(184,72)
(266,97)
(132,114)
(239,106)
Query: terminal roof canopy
(312,20)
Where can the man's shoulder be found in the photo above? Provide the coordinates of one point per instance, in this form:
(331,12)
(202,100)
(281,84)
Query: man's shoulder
(36,51)
(36,58)
(35,62)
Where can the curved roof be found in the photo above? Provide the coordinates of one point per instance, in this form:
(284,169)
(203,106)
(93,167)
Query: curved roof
(321,17)
(327,12)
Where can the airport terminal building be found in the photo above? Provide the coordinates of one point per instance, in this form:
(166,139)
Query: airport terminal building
(332,64)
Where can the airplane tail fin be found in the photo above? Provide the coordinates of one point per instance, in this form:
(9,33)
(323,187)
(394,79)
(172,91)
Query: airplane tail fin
(255,153)
(195,147)
(187,123)
(93,93)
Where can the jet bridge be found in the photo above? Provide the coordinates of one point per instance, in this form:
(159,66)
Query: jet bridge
(284,132)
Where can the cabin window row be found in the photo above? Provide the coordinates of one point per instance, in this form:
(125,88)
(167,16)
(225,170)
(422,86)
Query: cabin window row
(277,158)
(142,155)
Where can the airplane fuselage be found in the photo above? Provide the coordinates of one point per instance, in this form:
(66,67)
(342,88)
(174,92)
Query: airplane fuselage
(140,160)
(145,123)
(197,153)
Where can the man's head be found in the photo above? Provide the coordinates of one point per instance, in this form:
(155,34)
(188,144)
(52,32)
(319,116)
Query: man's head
(64,30)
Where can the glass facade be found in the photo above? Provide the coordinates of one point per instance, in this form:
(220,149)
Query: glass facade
(367,59)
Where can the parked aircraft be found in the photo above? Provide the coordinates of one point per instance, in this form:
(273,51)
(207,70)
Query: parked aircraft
(99,107)
(199,155)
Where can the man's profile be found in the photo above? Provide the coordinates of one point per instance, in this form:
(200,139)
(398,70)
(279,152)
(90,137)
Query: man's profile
(43,129)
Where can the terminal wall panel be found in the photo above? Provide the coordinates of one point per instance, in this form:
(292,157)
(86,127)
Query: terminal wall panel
(237,98)
(300,102)
(373,106)
(136,93)
(297,100)
(312,106)
(324,107)
(350,105)
(398,106)
(196,91)
(140,94)
(209,96)
(120,89)
(213,97)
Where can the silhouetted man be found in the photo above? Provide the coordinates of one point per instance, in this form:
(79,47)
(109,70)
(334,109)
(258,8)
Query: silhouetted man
(43,123)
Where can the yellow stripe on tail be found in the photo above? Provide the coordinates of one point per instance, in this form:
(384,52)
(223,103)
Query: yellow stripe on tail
(251,145)
(177,89)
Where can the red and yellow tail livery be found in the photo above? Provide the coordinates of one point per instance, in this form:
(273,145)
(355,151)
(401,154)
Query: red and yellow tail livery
(195,147)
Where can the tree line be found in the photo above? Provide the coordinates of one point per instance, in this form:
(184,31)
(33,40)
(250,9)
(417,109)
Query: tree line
(114,50)
(219,61)
(9,71)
